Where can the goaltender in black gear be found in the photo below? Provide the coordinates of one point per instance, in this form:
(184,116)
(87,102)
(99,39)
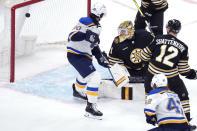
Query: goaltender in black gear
(126,49)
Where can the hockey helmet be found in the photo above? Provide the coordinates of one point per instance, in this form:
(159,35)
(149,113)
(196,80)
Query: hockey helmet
(126,29)
(174,26)
(160,80)
(98,9)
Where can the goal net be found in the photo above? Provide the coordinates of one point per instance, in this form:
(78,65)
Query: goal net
(27,26)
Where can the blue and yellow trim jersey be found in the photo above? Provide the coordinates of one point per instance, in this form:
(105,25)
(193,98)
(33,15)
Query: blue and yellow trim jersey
(166,105)
(77,43)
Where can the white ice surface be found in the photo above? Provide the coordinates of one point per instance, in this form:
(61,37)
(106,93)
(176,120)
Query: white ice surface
(50,111)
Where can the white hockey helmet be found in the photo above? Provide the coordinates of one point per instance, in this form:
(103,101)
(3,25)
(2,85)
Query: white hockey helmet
(160,80)
(98,9)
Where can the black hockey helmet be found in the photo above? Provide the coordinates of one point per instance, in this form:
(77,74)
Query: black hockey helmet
(174,26)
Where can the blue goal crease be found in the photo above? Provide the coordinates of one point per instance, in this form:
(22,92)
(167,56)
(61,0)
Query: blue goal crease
(56,84)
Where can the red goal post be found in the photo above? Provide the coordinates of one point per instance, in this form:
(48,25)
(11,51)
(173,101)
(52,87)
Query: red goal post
(12,52)
(13,6)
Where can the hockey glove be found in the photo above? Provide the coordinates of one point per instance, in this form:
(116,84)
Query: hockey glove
(101,57)
(147,14)
(192,75)
(103,60)
(92,37)
(151,119)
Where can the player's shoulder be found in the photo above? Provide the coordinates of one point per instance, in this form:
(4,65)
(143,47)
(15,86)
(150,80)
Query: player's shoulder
(86,21)
(158,91)
(180,41)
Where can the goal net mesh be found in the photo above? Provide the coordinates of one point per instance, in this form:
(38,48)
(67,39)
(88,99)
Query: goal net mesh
(46,23)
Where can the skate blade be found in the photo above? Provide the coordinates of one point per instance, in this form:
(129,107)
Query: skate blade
(88,115)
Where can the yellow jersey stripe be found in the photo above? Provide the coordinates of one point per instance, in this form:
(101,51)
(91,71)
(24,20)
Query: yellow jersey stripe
(91,24)
(150,114)
(70,51)
(72,35)
(172,121)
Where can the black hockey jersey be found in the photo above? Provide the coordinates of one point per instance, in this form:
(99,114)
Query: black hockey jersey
(154,5)
(127,52)
(167,55)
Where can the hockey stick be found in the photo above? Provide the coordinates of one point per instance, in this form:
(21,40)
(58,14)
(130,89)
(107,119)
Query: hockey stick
(107,67)
(119,75)
(147,23)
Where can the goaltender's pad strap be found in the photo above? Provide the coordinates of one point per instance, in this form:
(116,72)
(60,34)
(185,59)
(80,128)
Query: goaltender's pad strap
(127,93)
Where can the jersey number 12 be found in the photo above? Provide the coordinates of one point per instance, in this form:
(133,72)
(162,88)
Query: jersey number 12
(165,59)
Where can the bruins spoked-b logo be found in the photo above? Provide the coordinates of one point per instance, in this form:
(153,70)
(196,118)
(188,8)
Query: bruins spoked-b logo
(135,55)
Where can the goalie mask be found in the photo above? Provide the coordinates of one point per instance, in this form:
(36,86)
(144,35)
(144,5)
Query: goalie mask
(126,30)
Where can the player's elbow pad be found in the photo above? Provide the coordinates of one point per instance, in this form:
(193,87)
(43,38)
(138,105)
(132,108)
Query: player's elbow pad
(79,36)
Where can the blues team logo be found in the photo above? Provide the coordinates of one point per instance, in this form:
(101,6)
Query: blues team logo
(135,55)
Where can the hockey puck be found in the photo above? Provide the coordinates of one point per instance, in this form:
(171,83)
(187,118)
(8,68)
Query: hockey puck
(27,14)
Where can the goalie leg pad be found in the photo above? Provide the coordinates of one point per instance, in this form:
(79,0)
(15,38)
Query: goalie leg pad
(120,75)
(131,91)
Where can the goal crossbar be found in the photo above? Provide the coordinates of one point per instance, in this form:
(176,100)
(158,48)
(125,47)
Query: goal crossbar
(13,31)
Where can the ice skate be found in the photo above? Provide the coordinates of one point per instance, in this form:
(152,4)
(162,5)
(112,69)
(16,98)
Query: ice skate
(93,112)
(192,127)
(77,94)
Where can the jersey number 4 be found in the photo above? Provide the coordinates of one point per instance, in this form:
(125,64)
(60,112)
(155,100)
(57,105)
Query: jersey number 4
(174,105)
(165,59)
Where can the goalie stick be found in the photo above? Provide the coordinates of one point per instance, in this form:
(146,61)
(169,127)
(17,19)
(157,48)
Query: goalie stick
(147,23)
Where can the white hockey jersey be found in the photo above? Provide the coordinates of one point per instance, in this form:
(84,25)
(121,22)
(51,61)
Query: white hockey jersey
(166,105)
(82,47)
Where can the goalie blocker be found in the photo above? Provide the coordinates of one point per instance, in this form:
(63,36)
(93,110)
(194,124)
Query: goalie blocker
(119,86)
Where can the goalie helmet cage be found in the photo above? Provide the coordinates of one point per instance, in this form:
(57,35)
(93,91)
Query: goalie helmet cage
(13,27)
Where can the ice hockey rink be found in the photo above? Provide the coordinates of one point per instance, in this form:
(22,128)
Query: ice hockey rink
(41,98)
